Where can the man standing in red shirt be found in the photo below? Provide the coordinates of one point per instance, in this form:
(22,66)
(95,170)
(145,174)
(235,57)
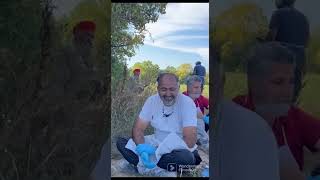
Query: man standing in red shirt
(270,75)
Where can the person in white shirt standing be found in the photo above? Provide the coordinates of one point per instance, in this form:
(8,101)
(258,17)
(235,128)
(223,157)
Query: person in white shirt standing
(174,119)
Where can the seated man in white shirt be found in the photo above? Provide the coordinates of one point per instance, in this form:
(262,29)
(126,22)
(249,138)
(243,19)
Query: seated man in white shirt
(174,118)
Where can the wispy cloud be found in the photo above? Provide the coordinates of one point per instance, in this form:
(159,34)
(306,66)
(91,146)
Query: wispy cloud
(203,52)
(172,27)
(181,16)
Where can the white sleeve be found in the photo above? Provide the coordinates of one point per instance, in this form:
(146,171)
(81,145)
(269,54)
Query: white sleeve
(146,112)
(188,113)
(245,142)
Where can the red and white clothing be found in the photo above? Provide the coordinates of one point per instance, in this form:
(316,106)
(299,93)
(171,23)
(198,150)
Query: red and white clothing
(300,127)
(201,102)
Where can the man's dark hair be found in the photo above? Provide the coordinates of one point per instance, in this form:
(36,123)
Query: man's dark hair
(161,75)
(262,55)
(198,63)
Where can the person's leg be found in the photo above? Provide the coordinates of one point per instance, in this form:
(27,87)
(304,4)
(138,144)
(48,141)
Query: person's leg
(129,155)
(202,84)
(197,157)
(171,161)
(206,127)
(202,135)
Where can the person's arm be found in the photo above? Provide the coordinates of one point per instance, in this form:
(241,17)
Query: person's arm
(271,36)
(142,122)
(310,131)
(199,114)
(194,71)
(190,136)
(189,122)
(205,102)
(273,27)
(138,131)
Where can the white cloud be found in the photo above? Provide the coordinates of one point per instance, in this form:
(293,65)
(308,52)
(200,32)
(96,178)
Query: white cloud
(181,17)
(181,37)
(203,52)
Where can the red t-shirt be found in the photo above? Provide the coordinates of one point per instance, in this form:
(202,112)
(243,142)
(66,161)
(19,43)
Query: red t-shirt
(201,102)
(300,127)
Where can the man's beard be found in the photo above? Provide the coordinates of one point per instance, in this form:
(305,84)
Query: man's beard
(168,100)
(273,110)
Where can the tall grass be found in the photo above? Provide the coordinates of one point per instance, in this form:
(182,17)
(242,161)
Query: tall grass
(125,108)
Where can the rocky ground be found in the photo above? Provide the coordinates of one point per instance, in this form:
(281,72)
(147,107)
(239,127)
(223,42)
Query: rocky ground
(119,167)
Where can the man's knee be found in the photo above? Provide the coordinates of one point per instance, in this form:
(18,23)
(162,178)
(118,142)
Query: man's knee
(121,143)
(184,156)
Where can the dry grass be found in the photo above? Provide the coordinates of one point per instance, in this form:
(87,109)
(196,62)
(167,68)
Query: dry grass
(125,107)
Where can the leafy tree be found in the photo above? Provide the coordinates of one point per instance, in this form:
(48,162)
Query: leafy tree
(183,71)
(128,25)
(95,11)
(40,136)
(313,52)
(236,29)
(206,80)
(149,71)
(128,31)
(171,69)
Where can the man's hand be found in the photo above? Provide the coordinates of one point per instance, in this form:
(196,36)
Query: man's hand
(199,115)
(138,131)
(144,151)
(190,136)
(206,111)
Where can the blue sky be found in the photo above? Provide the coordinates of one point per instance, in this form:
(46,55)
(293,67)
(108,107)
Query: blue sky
(179,36)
